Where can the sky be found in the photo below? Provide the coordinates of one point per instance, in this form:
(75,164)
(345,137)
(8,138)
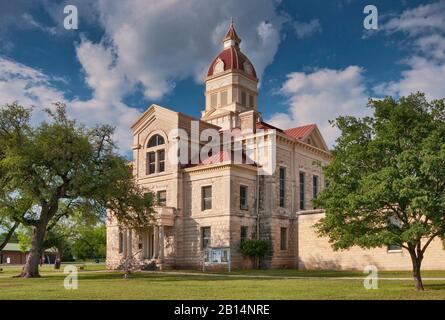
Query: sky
(315,59)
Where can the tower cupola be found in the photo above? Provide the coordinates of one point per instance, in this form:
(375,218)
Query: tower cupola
(231,84)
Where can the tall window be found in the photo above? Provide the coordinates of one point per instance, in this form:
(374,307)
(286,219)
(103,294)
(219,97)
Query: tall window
(243,99)
(282,187)
(161,160)
(205,238)
(141,242)
(155,156)
(314,187)
(251,99)
(206,196)
(283,239)
(243,197)
(302,194)
(224,98)
(244,234)
(121,242)
(162,198)
(213,100)
(151,162)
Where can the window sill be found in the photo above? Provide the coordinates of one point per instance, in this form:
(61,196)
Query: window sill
(394,251)
(156,174)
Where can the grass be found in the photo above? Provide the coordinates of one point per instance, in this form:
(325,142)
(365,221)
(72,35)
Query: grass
(96,283)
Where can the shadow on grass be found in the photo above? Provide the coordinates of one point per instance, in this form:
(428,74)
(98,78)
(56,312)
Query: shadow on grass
(434,286)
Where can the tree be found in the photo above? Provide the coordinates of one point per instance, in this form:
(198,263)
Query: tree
(58,164)
(386,182)
(255,249)
(89,241)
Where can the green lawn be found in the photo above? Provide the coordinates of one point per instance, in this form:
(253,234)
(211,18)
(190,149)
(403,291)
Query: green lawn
(96,284)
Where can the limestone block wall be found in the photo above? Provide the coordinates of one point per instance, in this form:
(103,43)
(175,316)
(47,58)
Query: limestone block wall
(113,256)
(194,218)
(316,253)
(242,217)
(271,232)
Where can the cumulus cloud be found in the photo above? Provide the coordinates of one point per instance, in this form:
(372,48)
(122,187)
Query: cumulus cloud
(306,29)
(32,87)
(146,45)
(158,43)
(424,27)
(321,96)
(418,20)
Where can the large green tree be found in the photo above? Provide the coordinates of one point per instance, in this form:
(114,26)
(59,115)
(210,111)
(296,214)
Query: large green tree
(58,164)
(386,181)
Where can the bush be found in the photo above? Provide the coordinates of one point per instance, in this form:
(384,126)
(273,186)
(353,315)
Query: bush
(255,249)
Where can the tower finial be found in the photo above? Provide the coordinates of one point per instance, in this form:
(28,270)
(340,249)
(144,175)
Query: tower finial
(231,38)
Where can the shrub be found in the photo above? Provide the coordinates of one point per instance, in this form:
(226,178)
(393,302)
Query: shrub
(254,249)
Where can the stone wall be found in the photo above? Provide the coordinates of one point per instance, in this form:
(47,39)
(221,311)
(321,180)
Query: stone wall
(316,253)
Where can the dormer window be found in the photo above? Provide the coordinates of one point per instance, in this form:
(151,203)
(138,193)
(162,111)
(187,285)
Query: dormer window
(155,156)
(219,66)
(248,68)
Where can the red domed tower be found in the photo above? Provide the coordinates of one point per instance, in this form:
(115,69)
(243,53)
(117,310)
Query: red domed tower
(231,87)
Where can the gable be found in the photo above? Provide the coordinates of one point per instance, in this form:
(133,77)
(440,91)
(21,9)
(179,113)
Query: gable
(309,134)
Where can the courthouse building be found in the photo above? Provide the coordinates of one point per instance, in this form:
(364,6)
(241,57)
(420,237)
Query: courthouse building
(206,208)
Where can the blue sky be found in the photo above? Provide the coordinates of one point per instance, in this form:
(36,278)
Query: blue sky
(315,59)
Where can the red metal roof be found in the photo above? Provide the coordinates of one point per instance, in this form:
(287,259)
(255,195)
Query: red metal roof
(265,125)
(231,34)
(300,132)
(232,58)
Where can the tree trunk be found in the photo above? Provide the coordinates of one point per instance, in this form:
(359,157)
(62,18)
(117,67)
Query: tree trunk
(417,262)
(31,269)
(58,261)
(9,235)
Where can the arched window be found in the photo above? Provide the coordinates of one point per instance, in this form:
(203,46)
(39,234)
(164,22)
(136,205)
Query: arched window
(156,140)
(155,156)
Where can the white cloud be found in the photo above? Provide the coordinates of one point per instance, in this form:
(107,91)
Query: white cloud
(425,30)
(146,44)
(157,43)
(29,20)
(31,87)
(321,96)
(307,29)
(423,75)
(424,18)
(25,84)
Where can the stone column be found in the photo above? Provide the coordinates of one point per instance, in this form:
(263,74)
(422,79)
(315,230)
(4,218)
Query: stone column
(156,242)
(124,243)
(161,242)
(130,244)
